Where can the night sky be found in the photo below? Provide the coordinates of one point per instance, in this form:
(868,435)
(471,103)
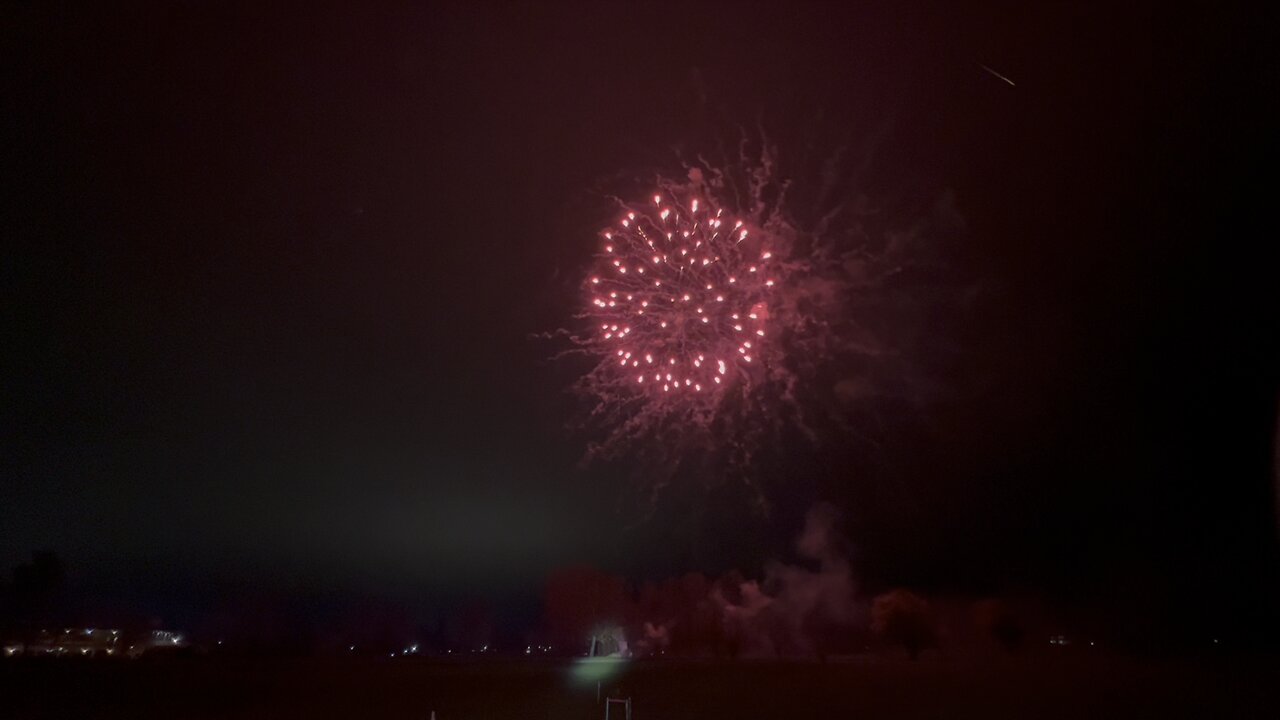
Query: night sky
(272,278)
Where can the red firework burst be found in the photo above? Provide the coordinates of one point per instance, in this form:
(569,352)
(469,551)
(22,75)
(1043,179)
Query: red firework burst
(680,300)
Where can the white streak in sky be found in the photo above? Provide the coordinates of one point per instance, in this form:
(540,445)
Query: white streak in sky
(993,72)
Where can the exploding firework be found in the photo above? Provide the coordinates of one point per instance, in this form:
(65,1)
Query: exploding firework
(729,310)
(691,312)
(682,295)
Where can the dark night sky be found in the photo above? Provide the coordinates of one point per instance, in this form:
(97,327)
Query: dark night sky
(271,274)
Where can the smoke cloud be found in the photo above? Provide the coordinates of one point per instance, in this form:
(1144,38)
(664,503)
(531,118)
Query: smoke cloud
(808,609)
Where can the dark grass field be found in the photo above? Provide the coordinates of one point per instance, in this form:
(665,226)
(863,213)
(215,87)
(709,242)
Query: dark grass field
(1040,687)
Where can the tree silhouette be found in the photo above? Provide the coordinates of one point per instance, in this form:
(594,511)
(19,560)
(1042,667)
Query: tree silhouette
(904,618)
(999,621)
(35,588)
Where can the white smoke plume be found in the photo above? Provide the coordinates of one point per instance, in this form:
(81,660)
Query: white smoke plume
(795,608)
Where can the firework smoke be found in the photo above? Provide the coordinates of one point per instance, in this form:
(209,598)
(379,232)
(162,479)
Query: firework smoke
(798,610)
(789,612)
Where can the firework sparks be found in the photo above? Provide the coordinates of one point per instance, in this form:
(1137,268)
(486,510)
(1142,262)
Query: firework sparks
(693,323)
(716,313)
(691,319)
(680,299)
